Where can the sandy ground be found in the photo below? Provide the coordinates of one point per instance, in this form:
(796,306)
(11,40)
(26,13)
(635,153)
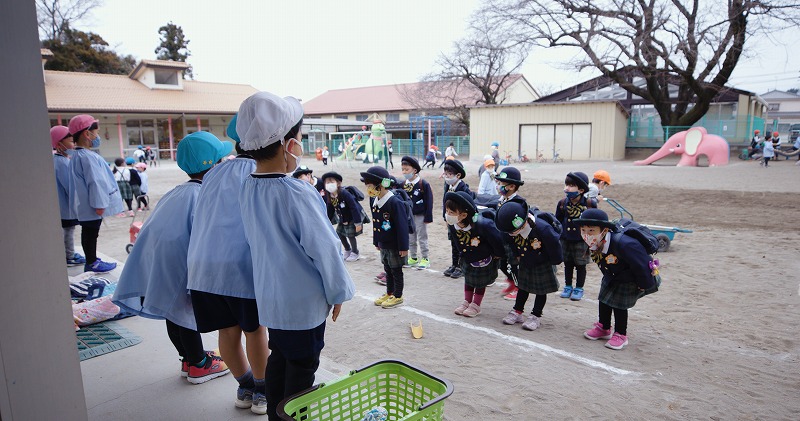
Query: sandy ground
(715,343)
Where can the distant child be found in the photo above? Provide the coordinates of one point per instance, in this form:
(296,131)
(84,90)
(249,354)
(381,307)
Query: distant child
(298,272)
(153,283)
(576,254)
(769,153)
(600,180)
(628,274)
(391,151)
(537,251)
(95,191)
(389,232)
(450,151)
(141,200)
(480,248)
(151,156)
(139,155)
(307,174)
(454,174)
(122,175)
(421,194)
(136,181)
(509,180)
(430,158)
(348,211)
(325,154)
(488,185)
(63,145)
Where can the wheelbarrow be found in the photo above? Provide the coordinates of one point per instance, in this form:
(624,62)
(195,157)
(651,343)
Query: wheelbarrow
(665,235)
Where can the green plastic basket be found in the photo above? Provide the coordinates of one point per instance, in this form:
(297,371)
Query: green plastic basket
(406,392)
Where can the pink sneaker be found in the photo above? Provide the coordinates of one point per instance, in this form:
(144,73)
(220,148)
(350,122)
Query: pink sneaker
(472,311)
(618,341)
(460,309)
(130,213)
(509,288)
(532,323)
(513,318)
(511,296)
(597,332)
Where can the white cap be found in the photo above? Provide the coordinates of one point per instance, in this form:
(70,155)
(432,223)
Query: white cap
(265,118)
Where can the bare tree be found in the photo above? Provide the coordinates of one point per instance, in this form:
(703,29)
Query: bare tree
(56,15)
(677,54)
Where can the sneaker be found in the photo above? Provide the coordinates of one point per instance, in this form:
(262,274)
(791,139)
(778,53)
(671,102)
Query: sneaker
(513,318)
(121,215)
(449,271)
(381,281)
(511,296)
(352,258)
(392,302)
(456,273)
(382,299)
(259,404)
(244,398)
(597,332)
(185,365)
(380,276)
(460,309)
(509,288)
(567,291)
(130,213)
(472,311)
(532,323)
(618,341)
(412,261)
(76,260)
(346,254)
(213,368)
(424,263)
(577,294)
(99,266)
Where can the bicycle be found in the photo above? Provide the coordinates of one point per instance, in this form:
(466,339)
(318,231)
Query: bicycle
(524,158)
(556,157)
(509,158)
(540,157)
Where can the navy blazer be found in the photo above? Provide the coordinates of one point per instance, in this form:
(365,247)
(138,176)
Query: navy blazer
(480,242)
(346,207)
(542,247)
(390,224)
(626,261)
(422,196)
(570,230)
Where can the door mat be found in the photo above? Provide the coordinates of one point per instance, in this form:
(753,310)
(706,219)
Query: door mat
(102,338)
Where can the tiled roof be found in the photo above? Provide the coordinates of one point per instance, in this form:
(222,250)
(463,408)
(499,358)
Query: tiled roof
(375,98)
(92,92)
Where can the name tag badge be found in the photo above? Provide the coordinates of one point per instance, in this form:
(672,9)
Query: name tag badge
(416,192)
(341,205)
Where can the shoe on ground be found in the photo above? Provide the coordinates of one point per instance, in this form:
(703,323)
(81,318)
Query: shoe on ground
(185,365)
(213,368)
(472,311)
(511,296)
(509,288)
(381,281)
(532,323)
(382,299)
(513,318)
(99,266)
(259,404)
(120,215)
(381,275)
(423,263)
(457,273)
(597,332)
(449,271)
(130,213)
(617,341)
(346,254)
(352,258)
(412,261)
(76,260)
(392,302)
(460,309)
(577,294)
(491,284)
(244,398)
(567,291)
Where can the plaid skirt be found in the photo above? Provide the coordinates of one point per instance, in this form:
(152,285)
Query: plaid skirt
(125,190)
(391,259)
(623,295)
(575,252)
(479,277)
(539,279)
(348,230)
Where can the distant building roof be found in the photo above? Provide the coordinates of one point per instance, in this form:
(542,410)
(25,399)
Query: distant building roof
(775,94)
(157,64)
(46,53)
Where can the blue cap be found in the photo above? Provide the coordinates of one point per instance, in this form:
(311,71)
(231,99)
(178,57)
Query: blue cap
(129,161)
(139,147)
(231,130)
(200,151)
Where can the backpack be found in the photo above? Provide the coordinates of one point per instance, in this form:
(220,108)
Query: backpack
(549,218)
(401,194)
(641,233)
(355,192)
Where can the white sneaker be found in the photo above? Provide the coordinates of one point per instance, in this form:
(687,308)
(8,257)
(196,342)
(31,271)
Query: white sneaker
(352,257)
(346,254)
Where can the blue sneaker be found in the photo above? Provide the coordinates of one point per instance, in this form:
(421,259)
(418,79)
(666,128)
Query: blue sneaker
(259,404)
(577,294)
(244,398)
(567,291)
(76,260)
(99,266)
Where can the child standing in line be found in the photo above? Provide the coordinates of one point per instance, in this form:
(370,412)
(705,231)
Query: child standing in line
(488,185)
(453,175)
(122,176)
(298,272)
(769,153)
(628,274)
(325,154)
(221,278)
(347,210)
(576,254)
(141,200)
(95,193)
(135,181)
(508,183)
(153,283)
(63,145)
(389,232)
(536,253)
(422,195)
(600,180)
(479,246)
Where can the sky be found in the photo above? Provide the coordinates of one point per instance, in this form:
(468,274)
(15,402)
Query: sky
(303,48)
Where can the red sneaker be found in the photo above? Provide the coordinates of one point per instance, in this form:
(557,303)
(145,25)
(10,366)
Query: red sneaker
(510,288)
(213,368)
(511,296)
(185,365)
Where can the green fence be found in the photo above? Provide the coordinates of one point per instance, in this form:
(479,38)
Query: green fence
(648,132)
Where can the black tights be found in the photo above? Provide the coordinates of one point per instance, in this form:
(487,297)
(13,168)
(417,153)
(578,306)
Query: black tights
(129,202)
(620,317)
(187,342)
(141,200)
(538,302)
(581,274)
(394,281)
(353,246)
(90,230)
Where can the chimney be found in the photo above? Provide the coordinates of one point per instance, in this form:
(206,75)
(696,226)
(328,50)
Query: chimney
(46,55)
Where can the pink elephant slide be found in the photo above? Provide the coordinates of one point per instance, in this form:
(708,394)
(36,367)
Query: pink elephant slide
(690,144)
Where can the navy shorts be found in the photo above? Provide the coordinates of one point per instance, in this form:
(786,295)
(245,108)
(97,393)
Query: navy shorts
(214,312)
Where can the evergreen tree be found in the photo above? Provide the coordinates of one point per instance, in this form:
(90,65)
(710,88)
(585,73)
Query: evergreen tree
(174,46)
(78,51)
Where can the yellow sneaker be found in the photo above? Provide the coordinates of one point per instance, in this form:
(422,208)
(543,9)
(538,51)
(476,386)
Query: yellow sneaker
(392,302)
(383,299)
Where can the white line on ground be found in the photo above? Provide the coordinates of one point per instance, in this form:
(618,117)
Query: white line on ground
(515,340)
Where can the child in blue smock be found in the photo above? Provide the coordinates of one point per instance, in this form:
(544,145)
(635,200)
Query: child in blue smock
(93,190)
(63,146)
(298,272)
(221,277)
(153,283)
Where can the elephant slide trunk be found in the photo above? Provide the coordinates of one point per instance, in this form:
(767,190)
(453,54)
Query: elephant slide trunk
(659,154)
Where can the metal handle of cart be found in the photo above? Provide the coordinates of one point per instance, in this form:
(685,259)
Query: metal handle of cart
(616,205)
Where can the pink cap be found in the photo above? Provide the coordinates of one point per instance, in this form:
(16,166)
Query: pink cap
(81,122)
(57,134)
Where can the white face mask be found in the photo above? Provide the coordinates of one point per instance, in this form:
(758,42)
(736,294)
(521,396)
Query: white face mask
(451,180)
(331,187)
(451,219)
(525,231)
(593,240)
(297,158)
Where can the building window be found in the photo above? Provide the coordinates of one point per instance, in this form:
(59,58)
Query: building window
(361,117)
(413,114)
(774,107)
(191,125)
(166,77)
(392,117)
(141,132)
(341,117)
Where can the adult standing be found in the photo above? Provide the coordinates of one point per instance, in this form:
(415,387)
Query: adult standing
(495,154)
(450,151)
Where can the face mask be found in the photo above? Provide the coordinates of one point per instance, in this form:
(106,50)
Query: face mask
(96,142)
(451,219)
(451,180)
(297,158)
(593,241)
(331,187)
(409,176)
(524,231)
(372,191)
(502,189)
(572,194)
